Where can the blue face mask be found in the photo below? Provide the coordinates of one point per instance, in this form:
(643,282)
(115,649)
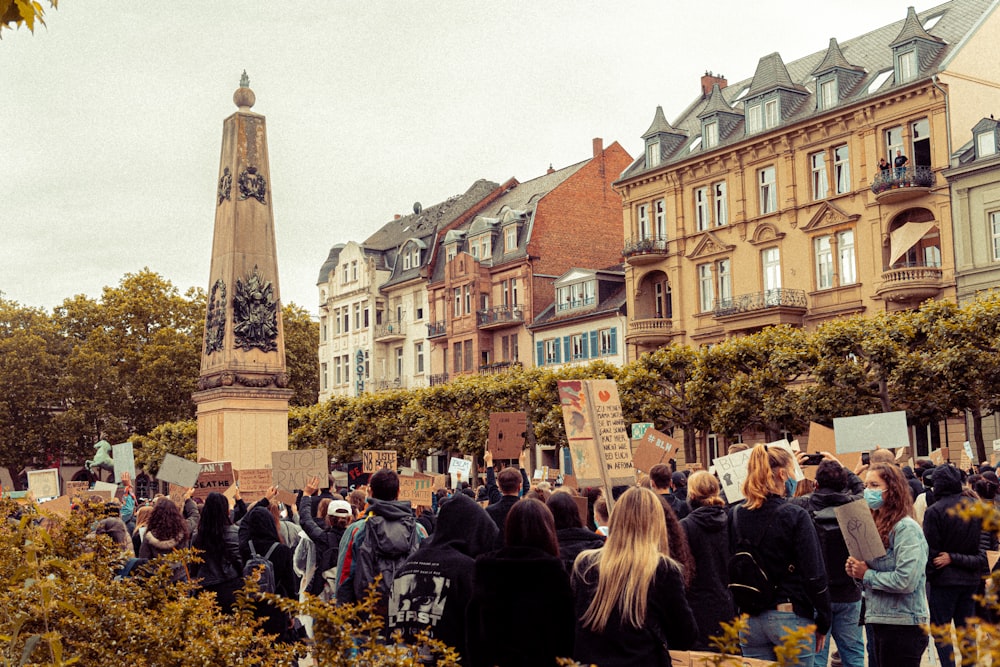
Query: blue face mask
(874,498)
(790,485)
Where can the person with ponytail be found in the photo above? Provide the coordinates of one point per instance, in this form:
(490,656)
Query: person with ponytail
(629,595)
(894,586)
(787,549)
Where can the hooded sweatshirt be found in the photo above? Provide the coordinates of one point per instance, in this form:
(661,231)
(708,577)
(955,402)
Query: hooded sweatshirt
(707,533)
(258,527)
(953,535)
(431,589)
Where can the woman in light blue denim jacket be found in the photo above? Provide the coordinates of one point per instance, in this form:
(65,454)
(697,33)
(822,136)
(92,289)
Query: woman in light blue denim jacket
(894,585)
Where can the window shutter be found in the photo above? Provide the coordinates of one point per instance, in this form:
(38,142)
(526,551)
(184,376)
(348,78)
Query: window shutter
(540,353)
(558,349)
(567,349)
(595,347)
(614,340)
(584,351)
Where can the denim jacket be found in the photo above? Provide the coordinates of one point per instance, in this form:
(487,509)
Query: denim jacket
(895,584)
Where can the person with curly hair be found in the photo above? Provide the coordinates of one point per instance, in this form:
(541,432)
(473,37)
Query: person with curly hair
(168,530)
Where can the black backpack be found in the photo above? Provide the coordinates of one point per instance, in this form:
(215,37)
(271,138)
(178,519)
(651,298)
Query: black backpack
(266,581)
(386,545)
(831,540)
(751,588)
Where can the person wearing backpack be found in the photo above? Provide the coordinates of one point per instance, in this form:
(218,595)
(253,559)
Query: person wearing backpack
(832,484)
(259,542)
(325,534)
(776,574)
(378,543)
(217,541)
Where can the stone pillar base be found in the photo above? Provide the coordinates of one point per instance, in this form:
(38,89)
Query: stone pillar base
(242,425)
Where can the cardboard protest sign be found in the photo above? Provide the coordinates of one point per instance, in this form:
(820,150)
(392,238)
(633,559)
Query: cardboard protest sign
(571,482)
(215,476)
(77,488)
(581,507)
(732,470)
(123,458)
(254,483)
(176,470)
(103,494)
(460,466)
(859,531)
(996,446)
(937,457)
(639,429)
(417,489)
(230,495)
(970,453)
(654,448)
(991,559)
(440,482)
(286,497)
(507,431)
(864,433)
(822,439)
(60,505)
(373,460)
(176,493)
(356,476)
(293,469)
(44,483)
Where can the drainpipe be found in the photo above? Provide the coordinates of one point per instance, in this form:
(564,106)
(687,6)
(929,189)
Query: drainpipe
(947,112)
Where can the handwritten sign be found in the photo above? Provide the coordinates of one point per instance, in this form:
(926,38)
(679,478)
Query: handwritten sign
(254,483)
(373,460)
(356,476)
(859,531)
(176,470)
(176,493)
(285,497)
(416,489)
(732,470)
(124,460)
(864,433)
(44,483)
(654,448)
(937,457)
(639,429)
(598,440)
(60,505)
(293,469)
(461,466)
(506,437)
(77,488)
(612,437)
(216,476)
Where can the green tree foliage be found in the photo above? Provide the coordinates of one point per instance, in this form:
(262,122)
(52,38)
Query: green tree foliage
(15,13)
(301,358)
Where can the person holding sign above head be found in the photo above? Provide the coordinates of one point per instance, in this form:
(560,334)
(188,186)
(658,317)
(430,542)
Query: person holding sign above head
(894,585)
(776,574)
(512,482)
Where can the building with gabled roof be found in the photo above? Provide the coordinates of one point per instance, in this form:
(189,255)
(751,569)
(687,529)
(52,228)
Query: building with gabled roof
(764,202)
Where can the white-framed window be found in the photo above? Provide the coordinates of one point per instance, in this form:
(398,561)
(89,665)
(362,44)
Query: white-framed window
(468,299)
(510,239)
(841,169)
(458,301)
(724,280)
(771,117)
(347,318)
(817,165)
(415,257)
(701,208)
(893,142)
(754,118)
(399,363)
(551,350)
(354,270)
(824,262)
(711,134)
(336,371)
(346,274)
(322,330)
(325,375)
(845,251)
(347,368)
(986,143)
(457,354)
(643,214)
(995,234)
(771,260)
(653,153)
(357,316)
(828,94)
(474,249)
(932,256)
(406,261)
(450,253)
(706,287)
(485,247)
(660,219)
(767,191)
(336,321)
(906,65)
(513,292)
(576,346)
(721,207)
(607,341)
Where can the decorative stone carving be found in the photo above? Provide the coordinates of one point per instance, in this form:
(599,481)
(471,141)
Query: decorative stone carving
(215,320)
(253,185)
(255,313)
(225,185)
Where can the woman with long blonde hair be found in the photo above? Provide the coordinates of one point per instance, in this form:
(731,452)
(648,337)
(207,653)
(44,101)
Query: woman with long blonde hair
(782,539)
(629,595)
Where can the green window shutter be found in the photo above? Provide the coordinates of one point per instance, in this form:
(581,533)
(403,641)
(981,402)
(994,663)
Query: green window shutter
(567,349)
(614,340)
(595,345)
(584,351)
(540,353)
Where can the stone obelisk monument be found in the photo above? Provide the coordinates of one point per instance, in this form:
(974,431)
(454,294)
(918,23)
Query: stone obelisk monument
(242,395)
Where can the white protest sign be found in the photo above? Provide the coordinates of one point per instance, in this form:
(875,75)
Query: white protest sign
(124,460)
(178,471)
(44,483)
(865,433)
(967,446)
(732,470)
(462,466)
(799,475)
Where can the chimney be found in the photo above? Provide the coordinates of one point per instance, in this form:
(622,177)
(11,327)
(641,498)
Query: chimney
(598,146)
(709,80)
(397,216)
(550,170)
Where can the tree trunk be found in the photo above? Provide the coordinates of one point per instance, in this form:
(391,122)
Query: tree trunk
(883,394)
(691,446)
(977,431)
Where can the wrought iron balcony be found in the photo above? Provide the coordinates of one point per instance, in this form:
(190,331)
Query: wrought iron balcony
(435,329)
(498,367)
(748,303)
(383,385)
(645,249)
(389,331)
(440,378)
(499,316)
(903,183)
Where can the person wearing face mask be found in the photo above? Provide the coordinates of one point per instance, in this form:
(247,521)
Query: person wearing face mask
(788,551)
(894,585)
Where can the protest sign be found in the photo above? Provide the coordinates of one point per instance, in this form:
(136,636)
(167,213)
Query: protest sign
(356,476)
(124,460)
(285,497)
(639,429)
(571,482)
(864,433)
(937,457)
(506,437)
(230,495)
(77,488)
(60,505)
(970,453)
(440,482)
(460,466)
(215,476)
(44,483)
(416,489)
(732,470)
(600,446)
(373,460)
(581,507)
(176,470)
(991,559)
(654,448)
(105,486)
(799,475)
(293,469)
(176,493)
(996,446)
(254,483)
(859,531)
(822,439)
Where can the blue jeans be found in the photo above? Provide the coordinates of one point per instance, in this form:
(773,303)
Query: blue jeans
(947,604)
(767,629)
(848,635)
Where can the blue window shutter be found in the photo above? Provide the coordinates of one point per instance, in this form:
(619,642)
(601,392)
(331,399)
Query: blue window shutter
(595,347)
(583,347)
(614,340)
(540,353)
(567,348)
(558,348)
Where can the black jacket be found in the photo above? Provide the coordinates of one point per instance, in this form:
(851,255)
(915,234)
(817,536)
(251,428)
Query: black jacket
(790,555)
(707,530)
(326,539)
(498,512)
(843,588)
(258,526)
(572,541)
(953,535)
(521,610)
(223,565)
(677,504)
(668,621)
(431,589)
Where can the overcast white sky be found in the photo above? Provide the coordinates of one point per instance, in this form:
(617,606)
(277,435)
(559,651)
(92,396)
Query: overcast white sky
(112,115)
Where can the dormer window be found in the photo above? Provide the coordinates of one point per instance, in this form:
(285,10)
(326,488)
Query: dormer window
(415,257)
(577,295)
(754,119)
(828,94)
(653,153)
(406,261)
(771,116)
(510,239)
(986,144)
(906,66)
(711,134)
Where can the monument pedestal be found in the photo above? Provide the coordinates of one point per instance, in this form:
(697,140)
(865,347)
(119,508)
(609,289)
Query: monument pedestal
(242,425)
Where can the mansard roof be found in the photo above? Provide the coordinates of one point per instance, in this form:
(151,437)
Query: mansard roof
(834,58)
(913,29)
(772,74)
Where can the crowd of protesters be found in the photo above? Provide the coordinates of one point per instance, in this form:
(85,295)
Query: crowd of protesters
(512,574)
